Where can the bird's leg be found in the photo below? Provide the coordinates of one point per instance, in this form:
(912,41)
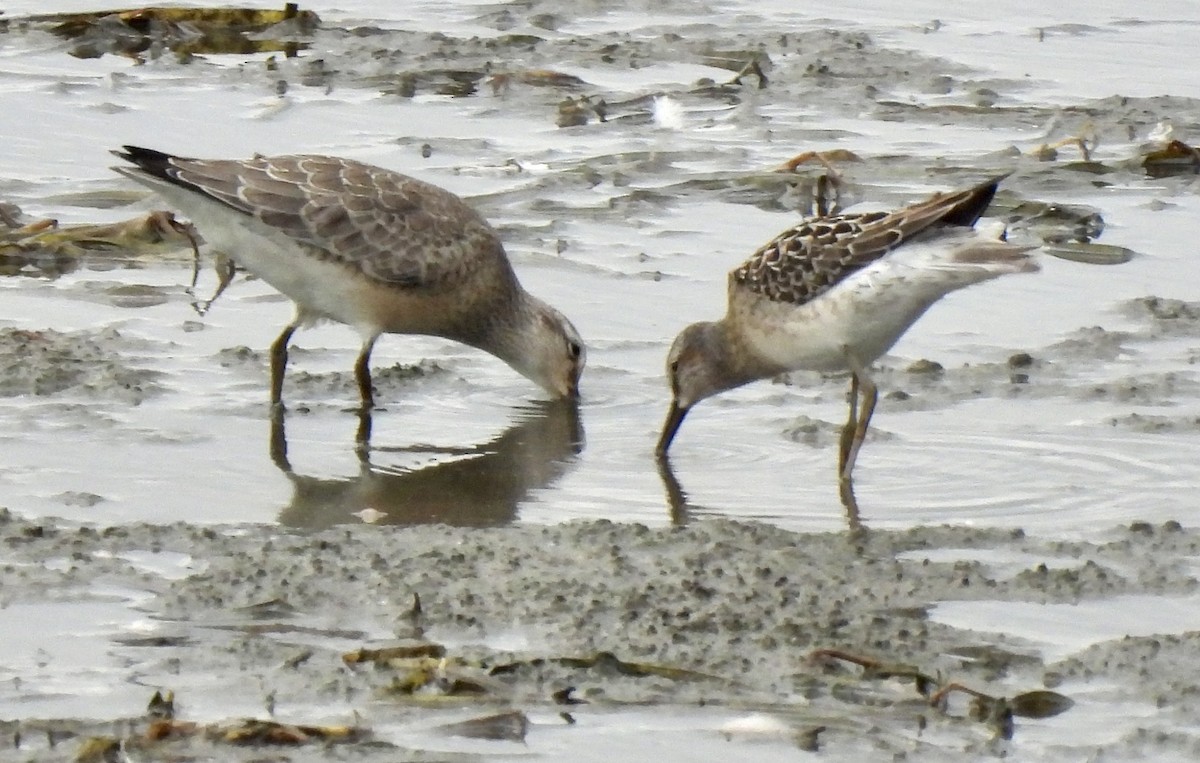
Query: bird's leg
(851,422)
(855,432)
(870,394)
(845,479)
(845,484)
(362,372)
(279,354)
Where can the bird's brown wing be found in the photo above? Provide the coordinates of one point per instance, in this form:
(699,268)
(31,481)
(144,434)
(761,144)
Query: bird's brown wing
(806,260)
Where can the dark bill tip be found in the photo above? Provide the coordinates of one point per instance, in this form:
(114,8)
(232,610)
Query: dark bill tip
(675,417)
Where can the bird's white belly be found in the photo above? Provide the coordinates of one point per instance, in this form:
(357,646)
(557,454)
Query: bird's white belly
(319,287)
(817,336)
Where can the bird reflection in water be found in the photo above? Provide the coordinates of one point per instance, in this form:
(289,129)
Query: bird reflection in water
(683,511)
(677,500)
(476,486)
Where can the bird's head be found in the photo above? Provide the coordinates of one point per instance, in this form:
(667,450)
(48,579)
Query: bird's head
(554,353)
(699,365)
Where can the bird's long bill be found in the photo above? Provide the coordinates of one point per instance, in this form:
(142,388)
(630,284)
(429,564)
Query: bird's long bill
(675,417)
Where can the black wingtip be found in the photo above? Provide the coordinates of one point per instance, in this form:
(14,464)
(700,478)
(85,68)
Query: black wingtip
(968,212)
(156,163)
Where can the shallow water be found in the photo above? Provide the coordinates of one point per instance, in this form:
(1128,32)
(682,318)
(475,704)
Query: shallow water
(610,222)
(1055,462)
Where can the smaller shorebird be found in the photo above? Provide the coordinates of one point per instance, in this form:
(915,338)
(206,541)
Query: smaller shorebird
(833,294)
(371,248)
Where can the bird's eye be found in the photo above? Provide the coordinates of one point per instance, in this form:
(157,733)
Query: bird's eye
(674,367)
(574,350)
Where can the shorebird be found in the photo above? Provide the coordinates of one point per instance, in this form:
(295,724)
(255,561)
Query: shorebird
(361,245)
(833,294)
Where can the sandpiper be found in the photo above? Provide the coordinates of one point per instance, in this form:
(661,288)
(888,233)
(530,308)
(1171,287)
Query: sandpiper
(833,294)
(371,248)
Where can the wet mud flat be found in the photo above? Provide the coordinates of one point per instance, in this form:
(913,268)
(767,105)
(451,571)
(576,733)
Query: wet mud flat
(549,633)
(628,162)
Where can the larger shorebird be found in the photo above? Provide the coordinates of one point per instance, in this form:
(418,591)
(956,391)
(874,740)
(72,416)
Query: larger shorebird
(371,248)
(833,294)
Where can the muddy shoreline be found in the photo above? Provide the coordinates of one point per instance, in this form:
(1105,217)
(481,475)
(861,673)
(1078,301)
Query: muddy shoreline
(728,614)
